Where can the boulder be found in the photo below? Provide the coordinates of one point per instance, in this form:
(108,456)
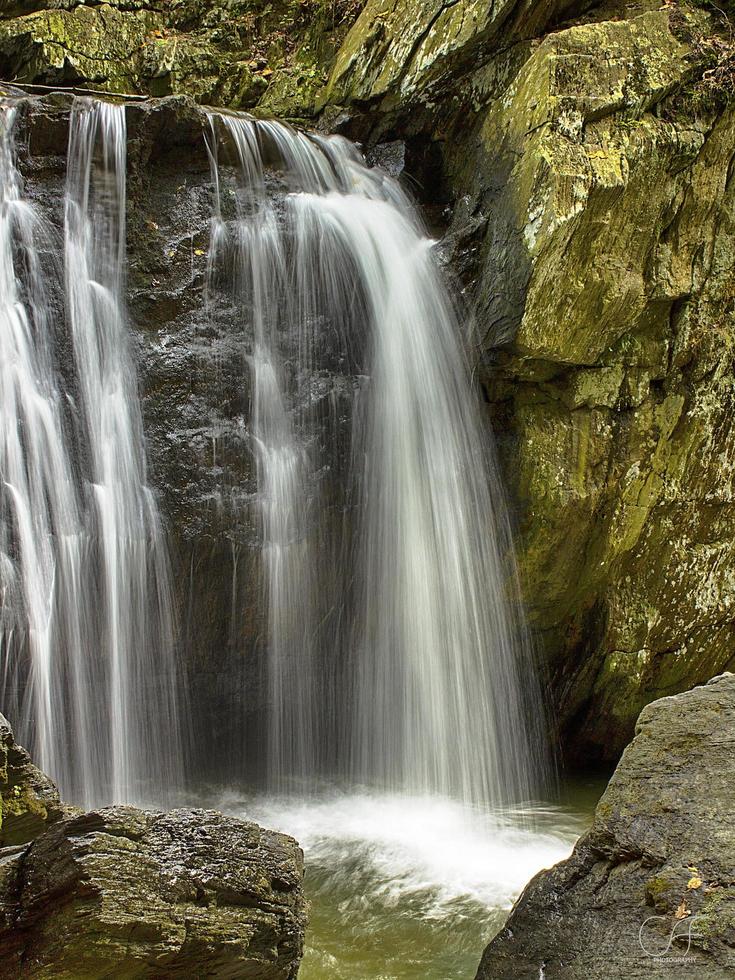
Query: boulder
(651,887)
(127,893)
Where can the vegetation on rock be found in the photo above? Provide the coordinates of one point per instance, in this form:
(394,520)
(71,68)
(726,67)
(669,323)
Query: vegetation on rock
(271,54)
(29,801)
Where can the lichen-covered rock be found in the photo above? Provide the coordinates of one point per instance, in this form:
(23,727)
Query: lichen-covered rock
(229,53)
(653,881)
(29,801)
(605,292)
(130,894)
(96,45)
(399,50)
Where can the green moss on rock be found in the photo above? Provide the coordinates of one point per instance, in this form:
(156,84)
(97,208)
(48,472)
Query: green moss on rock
(227,54)
(657,857)
(614,220)
(29,801)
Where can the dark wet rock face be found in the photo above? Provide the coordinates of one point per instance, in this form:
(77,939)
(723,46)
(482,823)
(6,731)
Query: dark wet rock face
(192,343)
(654,879)
(194,383)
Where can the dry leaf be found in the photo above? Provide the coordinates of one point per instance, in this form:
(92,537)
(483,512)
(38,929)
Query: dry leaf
(694,882)
(198,251)
(682,912)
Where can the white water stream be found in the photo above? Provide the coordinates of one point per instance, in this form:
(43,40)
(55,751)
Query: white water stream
(88,670)
(396,659)
(423,681)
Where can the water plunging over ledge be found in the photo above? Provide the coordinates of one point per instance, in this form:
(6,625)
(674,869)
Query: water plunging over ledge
(398,717)
(395,656)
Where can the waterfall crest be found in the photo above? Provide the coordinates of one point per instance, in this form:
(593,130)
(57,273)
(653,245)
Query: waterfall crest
(89,673)
(395,657)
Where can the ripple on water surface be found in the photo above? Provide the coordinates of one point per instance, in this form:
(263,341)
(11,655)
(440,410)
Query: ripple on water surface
(405,888)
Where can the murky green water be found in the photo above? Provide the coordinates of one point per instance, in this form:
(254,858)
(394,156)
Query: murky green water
(412,889)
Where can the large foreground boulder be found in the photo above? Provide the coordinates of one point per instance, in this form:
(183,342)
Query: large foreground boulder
(127,893)
(651,888)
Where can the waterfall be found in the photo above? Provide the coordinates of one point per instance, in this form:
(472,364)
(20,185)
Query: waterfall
(87,644)
(257,251)
(134,625)
(396,656)
(41,534)
(393,652)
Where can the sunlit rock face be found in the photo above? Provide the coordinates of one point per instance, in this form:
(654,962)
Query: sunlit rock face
(239,54)
(649,888)
(610,360)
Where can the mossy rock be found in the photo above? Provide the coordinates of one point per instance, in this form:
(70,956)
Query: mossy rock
(29,801)
(132,894)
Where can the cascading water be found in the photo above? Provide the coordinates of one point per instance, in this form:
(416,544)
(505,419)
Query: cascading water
(256,250)
(41,539)
(422,682)
(88,675)
(135,628)
(398,679)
